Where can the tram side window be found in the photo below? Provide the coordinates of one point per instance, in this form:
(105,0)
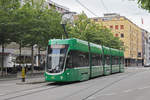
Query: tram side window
(69,62)
(96,60)
(121,60)
(77,59)
(107,59)
(115,60)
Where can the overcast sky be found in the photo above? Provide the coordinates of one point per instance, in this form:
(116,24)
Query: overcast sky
(128,8)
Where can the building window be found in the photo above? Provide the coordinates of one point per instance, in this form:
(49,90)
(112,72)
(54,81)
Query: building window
(111,27)
(121,26)
(116,27)
(116,35)
(121,35)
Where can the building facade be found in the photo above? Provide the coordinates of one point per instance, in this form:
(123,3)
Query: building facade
(59,8)
(146,47)
(128,32)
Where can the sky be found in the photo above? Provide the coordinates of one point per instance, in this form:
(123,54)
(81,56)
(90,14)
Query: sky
(127,8)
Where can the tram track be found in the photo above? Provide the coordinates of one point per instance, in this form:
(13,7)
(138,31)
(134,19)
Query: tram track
(20,91)
(30,91)
(109,85)
(101,89)
(34,90)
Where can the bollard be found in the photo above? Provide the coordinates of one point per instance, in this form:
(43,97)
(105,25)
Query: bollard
(23,74)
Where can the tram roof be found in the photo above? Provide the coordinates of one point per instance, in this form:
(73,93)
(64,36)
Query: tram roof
(121,53)
(81,45)
(78,44)
(115,52)
(106,50)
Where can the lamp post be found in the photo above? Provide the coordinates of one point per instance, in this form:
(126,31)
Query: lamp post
(67,17)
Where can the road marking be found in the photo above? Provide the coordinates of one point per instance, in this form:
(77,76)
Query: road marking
(6,84)
(109,94)
(91,98)
(126,91)
(146,87)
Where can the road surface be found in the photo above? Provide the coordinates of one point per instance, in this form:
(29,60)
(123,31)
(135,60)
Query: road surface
(133,84)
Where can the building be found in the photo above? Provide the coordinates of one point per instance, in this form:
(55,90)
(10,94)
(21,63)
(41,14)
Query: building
(128,32)
(11,55)
(59,8)
(146,47)
(50,4)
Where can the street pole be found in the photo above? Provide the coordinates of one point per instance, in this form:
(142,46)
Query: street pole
(23,74)
(64,27)
(2,60)
(32,55)
(67,17)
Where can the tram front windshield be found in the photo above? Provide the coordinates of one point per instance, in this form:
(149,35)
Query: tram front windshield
(56,58)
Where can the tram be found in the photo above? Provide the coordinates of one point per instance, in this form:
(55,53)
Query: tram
(70,60)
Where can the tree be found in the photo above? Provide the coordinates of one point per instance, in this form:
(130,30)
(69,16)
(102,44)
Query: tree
(145,4)
(6,24)
(88,30)
(37,24)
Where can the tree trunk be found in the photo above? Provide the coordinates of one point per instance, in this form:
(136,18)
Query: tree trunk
(2,67)
(20,54)
(39,57)
(32,55)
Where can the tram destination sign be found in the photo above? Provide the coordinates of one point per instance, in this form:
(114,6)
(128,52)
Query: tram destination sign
(57,46)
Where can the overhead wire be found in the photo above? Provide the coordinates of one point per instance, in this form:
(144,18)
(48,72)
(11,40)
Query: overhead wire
(104,5)
(86,8)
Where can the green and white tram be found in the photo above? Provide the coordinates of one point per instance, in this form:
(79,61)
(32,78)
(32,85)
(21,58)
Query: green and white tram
(71,60)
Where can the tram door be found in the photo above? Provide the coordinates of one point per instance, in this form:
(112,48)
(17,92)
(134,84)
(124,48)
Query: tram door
(90,60)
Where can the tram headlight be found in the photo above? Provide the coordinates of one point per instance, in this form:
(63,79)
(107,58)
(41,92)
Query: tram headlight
(61,77)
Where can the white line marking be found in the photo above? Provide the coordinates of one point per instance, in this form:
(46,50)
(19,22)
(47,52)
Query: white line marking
(129,90)
(91,98)
(109,94)
(146,87)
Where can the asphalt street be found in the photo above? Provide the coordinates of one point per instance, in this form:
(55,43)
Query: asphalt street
(133,84)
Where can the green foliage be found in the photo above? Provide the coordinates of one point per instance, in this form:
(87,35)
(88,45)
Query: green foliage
(88,30)
(39,24)
(7,7)
(28,24)
(145,4)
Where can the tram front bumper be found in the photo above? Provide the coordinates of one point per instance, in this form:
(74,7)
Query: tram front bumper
(55,78)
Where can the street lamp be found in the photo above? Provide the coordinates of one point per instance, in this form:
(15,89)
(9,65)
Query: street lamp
(67,17)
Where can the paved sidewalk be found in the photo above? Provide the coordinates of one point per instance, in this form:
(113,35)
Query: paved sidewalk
(32,81)
(29,75)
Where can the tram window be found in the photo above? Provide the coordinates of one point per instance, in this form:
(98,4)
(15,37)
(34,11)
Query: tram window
(96,60)
(115,60)
(69,63)
(77,59)
(107,59)
(121,60)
